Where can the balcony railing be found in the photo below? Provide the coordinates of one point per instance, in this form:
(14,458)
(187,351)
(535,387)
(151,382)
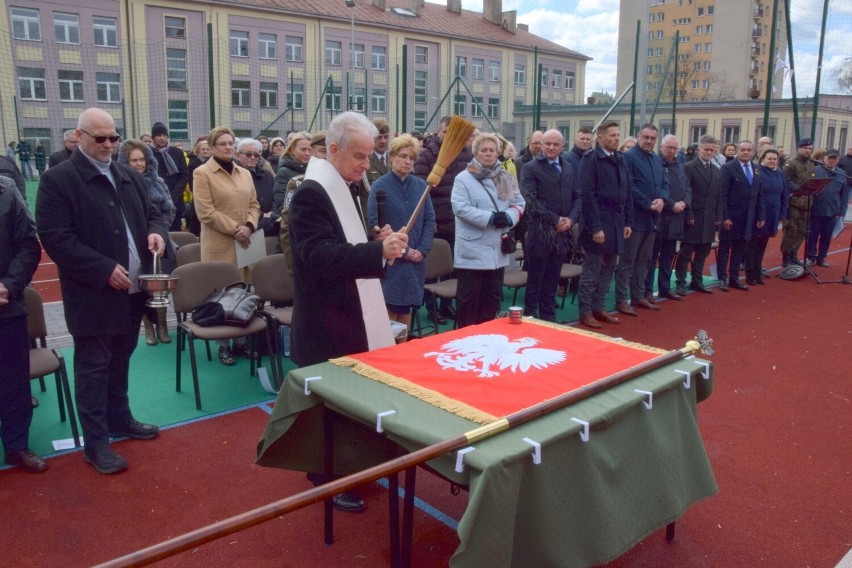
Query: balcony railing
(758,12)
(756,32)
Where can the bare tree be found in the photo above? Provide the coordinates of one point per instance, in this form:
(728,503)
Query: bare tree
(844,76)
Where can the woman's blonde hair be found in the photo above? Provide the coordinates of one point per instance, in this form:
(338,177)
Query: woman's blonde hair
(217,133)
(294,139)
(402,142)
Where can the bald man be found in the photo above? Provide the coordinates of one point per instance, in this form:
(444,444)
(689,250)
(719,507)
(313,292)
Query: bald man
(97,224)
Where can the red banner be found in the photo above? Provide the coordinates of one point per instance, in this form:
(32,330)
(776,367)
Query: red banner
(495,369)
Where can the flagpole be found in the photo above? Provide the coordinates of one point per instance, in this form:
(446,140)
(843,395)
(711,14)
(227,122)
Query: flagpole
(792,68)
(324,492)
(770,71)
(819,69)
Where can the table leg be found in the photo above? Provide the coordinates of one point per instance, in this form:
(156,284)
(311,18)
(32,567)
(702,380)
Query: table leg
(408,516)
(328,470)
(670,532)
(393,518)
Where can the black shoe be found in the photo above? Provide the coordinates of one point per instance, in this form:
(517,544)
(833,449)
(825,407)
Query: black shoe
(738,285)
(104,460)
(136,430)
(27,460)
(671,295)
(240,350)
(681,290)
(699,288)
(448,312)
(751,282)
(226,358)
(348,502)
(723,286)
(823,263)
(441,319)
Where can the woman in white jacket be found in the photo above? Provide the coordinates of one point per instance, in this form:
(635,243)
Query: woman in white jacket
(487,203)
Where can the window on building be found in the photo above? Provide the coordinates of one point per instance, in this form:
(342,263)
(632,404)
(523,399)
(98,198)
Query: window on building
(420,120)
(460,105)
(477,69)
(696,66)
(176,68)
(239,43)
(494,108)
(695,83)
(697,48)
(544,76)
(569,80)
(31,84)
(332,99)
(696,132)
(708,29)
(843,135)
(296,96)
(379,58)
(268,95)
(421,54)
(652,18)
(106,32)
(661,17)
(178,119)
(699,11)
(650,35)
(241,93)
(710,10)
(707,65)
(708,47)
(829,137)
(461,66)
(25,24)
(658,69)
(293,48)
(175,27)
(357,55)
(421,79)
(332,54)
(650,52)
(476,107)
(494,70)
(730,134)
(109,87)
(267,46)
(359,99)
(659,34)
(659,52)
(699,30)
(70,86)
(379,101)
(556,79)
(650,69)
(66,28)
(705,83)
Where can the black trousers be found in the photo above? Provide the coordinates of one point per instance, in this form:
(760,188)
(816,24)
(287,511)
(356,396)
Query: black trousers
(101,367)
(478,295)
(694,255)
(16,408)
(661,259)
(754,256)
(732,253)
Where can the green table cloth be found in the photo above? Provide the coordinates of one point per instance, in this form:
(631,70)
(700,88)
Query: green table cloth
(586,503)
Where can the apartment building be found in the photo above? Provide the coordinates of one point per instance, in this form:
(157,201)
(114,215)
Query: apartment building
(722,49)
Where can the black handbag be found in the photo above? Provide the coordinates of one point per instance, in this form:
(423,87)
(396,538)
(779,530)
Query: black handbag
(508,242)
(234,305)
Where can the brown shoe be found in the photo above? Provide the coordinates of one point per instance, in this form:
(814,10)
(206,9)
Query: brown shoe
(644,303)
(650,298)
(605,317)
(589,321)
(27,460)
(625,309)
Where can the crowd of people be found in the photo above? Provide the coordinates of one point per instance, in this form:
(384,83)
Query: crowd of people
(341,200)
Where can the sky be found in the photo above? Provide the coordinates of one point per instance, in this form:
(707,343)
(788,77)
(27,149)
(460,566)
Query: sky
(591,27)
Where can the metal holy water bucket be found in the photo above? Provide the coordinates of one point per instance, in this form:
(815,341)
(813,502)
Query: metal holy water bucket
(157,285)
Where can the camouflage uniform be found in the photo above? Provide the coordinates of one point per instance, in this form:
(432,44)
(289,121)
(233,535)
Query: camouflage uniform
(797,170)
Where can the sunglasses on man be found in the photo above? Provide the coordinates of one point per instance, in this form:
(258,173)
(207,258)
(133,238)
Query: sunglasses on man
(101,139)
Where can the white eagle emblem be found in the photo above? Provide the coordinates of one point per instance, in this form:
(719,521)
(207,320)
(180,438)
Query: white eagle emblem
(482,352)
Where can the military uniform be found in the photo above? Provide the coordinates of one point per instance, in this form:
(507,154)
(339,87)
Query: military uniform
(798,170)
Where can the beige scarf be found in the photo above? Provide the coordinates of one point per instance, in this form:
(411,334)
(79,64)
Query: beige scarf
(369,289)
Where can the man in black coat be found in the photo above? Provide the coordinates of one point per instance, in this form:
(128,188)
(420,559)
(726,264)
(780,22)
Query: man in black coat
(553,207)
(607,219)
(69,139)
(171,166)
(582,144)
(19,256)
(670,229)
(96,223)
(701,217)
(742,207)
(338,305)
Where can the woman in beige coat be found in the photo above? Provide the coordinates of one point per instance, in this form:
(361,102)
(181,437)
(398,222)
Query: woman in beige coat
(227,207)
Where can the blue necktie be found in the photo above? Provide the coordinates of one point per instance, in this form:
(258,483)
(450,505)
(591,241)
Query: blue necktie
(747,168)
(556,168)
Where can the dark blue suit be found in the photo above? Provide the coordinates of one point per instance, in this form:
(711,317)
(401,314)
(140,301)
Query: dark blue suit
(827,206)
(647,183)
(549,195)
(742,204)
(607,207)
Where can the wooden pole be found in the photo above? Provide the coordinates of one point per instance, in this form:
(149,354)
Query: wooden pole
(324,492)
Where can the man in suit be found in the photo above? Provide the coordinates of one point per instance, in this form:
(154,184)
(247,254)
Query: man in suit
(670,229)
(19,256)
(69,139)
(701,218)
(379,157)
(171,166)
(741,208)
(553,208)
(97,224)
(650,191)
(582,144)
(338,305)
(607,218)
